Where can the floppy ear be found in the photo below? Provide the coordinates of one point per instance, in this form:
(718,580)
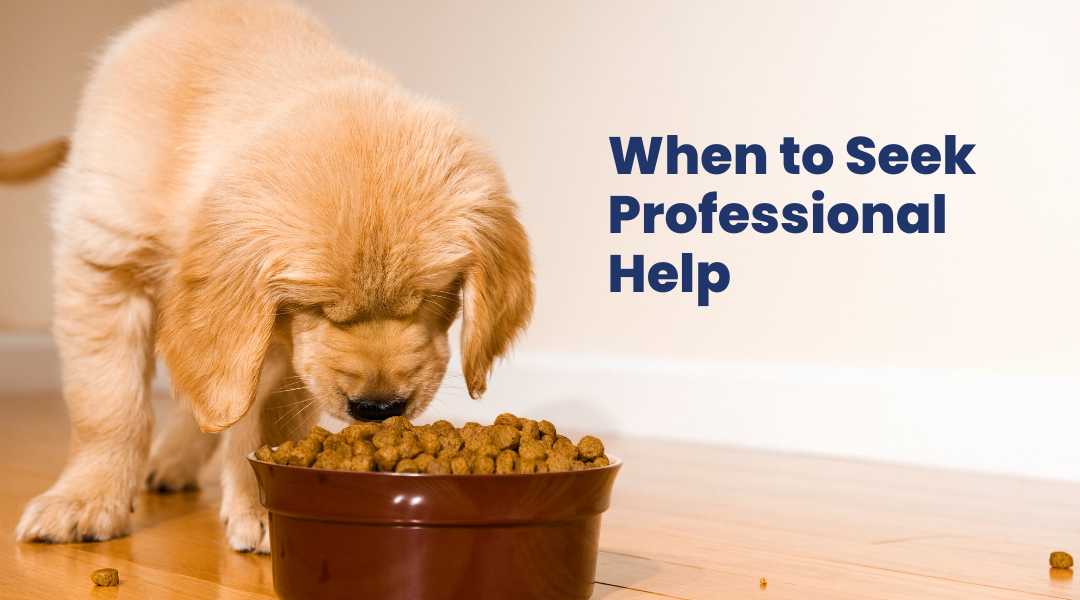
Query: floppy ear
(216,322)
(497,297)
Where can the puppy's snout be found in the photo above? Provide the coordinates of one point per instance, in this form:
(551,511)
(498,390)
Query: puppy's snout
(375,407)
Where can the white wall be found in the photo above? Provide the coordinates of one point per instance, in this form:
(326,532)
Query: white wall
(956,350)
(549,82)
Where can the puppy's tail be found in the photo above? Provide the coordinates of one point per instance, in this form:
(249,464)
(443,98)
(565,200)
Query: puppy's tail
(32,163)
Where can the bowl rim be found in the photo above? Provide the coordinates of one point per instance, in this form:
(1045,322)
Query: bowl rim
(615,463)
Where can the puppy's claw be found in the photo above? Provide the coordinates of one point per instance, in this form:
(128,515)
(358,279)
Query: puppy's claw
(59,518)
(248,532)
(167,478)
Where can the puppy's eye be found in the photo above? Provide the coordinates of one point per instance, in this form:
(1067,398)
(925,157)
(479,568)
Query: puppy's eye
(339,314)
(350,374)
(410,304)
(407,373)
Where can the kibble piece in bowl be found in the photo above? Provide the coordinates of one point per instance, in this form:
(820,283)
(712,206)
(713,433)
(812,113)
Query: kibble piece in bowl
(590,448)
(511,445)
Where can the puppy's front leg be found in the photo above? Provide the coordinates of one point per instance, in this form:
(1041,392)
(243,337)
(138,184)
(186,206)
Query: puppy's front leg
(179,452)
(246,527)
(104,329)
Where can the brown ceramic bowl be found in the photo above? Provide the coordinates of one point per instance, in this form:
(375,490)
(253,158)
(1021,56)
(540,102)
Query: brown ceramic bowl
(387,536)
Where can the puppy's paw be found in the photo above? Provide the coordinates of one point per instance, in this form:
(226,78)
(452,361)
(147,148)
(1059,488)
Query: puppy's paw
(248,530)
(59,518)
(169,474)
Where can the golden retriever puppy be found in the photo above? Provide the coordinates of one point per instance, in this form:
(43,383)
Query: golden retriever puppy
(267,212)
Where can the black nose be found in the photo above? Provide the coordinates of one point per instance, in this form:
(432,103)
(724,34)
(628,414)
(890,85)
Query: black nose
(375,407)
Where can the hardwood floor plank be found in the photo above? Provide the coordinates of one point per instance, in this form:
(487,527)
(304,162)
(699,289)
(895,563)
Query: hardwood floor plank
(688,522)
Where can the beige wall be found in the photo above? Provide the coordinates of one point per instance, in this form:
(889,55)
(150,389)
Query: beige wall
(548,82)
(46,48)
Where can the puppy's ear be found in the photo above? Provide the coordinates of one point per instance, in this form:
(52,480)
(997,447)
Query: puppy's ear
(497,297)
(217,318)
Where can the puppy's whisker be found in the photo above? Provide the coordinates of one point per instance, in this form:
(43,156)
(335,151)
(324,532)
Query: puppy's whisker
(285,391)
(436,303)
(293,414)
(286,405)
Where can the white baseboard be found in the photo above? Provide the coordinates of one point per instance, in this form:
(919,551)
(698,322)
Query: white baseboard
(28,362)
(974,420)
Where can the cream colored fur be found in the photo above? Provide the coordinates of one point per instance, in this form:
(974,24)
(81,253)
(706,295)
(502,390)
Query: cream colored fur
(285,226)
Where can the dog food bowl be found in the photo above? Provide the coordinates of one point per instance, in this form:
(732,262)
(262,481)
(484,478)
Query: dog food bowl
(386,536)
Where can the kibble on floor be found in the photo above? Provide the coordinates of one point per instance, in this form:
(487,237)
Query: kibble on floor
(105,577)
(1061,560)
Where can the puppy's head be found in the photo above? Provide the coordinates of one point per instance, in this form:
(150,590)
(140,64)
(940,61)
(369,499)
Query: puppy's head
(355,231)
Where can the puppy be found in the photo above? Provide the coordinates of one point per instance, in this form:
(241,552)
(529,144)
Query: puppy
(287,227)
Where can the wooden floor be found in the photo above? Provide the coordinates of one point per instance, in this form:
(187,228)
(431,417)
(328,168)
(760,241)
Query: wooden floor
(686,522)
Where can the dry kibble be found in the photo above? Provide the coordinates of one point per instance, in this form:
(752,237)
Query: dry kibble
(361,463)
(506,462)
(530,430)
(281,453)
(330,460)
(1061,560)
(387,458)
(470,457)
(360,431)
(429,441)
(423,460)
(386,438)
(763,583)
(335,441)
(477,439)
(265,454)
(409,446)
(305,452)
(487,450)
(557,463)
(564,447)
(546,428)
(459,465)
(484,465)
(334,457)
(504,436)
(399,423)
(590,447)
(442,426)
(105,577)
(507,419)
(510,445)
(438,466)
(447,454)
(364,447)
(532,450)
(452,441)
